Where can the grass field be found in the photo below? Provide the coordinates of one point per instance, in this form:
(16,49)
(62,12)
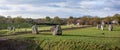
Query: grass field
(78,39)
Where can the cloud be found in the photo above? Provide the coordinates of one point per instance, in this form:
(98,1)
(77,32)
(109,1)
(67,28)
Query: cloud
(62,8)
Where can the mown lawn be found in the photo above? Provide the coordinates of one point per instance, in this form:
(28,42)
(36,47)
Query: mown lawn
(79,39)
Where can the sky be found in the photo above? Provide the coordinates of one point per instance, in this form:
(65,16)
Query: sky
(61,8)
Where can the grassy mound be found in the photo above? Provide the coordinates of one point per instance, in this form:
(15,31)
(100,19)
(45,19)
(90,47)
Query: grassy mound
(30,44)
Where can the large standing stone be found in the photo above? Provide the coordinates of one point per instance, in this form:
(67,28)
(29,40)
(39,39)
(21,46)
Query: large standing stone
(78,24)
(102,27)
(13,28)
(103,23)
(110,27)
(98,26)
(18,27)
(10,28)
(56,30)
(53,28)
(59,31)
(35,29)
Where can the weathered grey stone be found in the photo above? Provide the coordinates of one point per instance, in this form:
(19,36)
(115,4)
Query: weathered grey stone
(59,31)
(56,30)
(13,28)
(78,24)
(103,23)
(52,29)
(10,28)
(98,26)
(110,27)
(102,27)
(18,27)
(35,29)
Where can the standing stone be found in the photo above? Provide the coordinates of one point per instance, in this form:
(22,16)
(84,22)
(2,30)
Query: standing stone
(56,30)
(110,27)
(13,28)
(102,27)
(35,29)
(103,23)
(59,30)
(52,29)
(78,24)
(18,27)
(10,28)
(98,26)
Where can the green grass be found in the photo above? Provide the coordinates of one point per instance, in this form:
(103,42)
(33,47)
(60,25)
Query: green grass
(84,39)
(5,31)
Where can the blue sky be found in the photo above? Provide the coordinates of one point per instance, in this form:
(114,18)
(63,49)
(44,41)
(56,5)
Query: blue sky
(61,8)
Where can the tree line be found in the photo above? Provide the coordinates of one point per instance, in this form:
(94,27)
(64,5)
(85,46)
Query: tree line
(84,20)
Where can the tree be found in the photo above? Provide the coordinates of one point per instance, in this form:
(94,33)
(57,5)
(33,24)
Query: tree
(108,19)
(116,17)
(71,17)
(2,19)
(29,20)
(48,19)
(19,19)
(70,20)
(85,20)
(57,20)
(95,20)
(9,19)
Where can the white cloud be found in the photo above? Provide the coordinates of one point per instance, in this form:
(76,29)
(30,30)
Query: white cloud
(107,9)
(2,1)
(56,8)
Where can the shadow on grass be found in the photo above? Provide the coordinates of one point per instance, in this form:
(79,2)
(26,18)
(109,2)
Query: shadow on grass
(116,30)
(13,34)
(3,32)
(45,33)
(22,33)
(48,33)
(90,36)
(19,44)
